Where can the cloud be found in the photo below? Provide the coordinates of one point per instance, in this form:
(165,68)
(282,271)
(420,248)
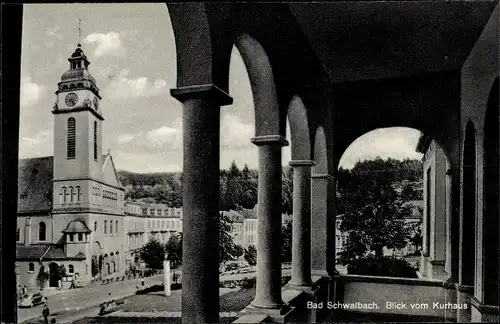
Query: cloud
(108,44)
(395,142)
(31,92)
(164,138)
(122,86)
(54,32)
(38,145)
(235,133)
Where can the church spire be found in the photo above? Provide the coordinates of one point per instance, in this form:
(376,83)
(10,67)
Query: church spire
(79,32)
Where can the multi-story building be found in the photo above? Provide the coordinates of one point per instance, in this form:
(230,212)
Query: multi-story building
(71,204)
(143,221)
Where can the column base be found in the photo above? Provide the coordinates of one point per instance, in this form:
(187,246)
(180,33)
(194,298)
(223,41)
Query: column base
(483,313)
(432,269)
(463,298)
(278,315)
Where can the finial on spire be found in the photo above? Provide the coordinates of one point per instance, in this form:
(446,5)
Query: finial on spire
(79,32)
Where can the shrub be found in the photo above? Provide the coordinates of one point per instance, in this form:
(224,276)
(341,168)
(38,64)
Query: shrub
(383,267)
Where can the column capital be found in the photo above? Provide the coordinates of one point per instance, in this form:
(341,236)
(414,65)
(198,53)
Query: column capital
(199,91)
(269,140)
(323,176)
(299,163)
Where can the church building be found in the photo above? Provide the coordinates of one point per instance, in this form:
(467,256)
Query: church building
(71,205)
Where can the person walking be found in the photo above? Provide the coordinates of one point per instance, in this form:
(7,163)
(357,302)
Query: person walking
(46,313)
(19,292)
(72,284)
(25,290)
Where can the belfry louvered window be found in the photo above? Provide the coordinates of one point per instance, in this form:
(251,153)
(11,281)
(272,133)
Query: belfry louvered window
(71,138)
(95,140)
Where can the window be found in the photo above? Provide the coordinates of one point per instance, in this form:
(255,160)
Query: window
(65,195)
(86,268)
(72,193)
(71,269)
(71,237)
(116,227)
(105,226)
(78,193)
(110,227)
(95,140)
(42,235)
(95,226)
(31,267)
(18,235)
(70,150)
(80,237)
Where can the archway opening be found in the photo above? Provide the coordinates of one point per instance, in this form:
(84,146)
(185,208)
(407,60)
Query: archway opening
(392,200)
(468,243)
(491,195)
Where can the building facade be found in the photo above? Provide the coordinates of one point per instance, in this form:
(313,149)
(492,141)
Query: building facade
(436,240)
(71,205)
(145,221)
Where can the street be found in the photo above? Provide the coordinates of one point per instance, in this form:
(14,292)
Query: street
(81,299)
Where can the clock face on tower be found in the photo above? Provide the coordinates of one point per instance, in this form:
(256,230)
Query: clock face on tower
(71,99)
(96,103)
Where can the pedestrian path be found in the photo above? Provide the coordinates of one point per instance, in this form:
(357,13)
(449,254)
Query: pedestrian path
(161,314)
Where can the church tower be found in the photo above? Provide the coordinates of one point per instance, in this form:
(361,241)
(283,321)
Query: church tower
(78,122)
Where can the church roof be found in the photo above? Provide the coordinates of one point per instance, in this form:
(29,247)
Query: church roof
(77,226)
(35,184)
(45,252)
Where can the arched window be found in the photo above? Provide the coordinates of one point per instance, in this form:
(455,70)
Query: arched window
(95,140)
(116,227)
(71,139)
(71,269)
(65,195)
(72,193)
(105,226)
(42,235)
(31,267)
(78,193)
(111,227)
(18,235)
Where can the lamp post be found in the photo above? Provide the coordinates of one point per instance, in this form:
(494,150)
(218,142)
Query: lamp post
(166,275)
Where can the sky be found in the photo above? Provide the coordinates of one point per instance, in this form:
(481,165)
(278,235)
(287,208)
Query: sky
(131,48)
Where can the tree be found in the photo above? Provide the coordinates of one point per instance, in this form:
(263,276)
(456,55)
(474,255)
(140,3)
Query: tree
(373,211)
(226,244)
(416,238)
(153,254)
(286,247)
(42,277)
(287,190)
(238,251)
(251,255)
(174,249)
(61,271)
(95,266)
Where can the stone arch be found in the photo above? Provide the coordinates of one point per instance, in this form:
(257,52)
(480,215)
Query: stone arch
(469,202)
(491,196)
(267,114)
(320,152)
(193,43)
(299,130)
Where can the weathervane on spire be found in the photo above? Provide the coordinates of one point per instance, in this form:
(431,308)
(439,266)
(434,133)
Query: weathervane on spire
(79,32)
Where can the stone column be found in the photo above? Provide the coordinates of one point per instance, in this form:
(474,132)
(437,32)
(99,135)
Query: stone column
(268,290)
(200,268)
(322,231)
(301,235)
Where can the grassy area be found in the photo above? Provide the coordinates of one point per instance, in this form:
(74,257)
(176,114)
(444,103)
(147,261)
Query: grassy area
(235,301)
